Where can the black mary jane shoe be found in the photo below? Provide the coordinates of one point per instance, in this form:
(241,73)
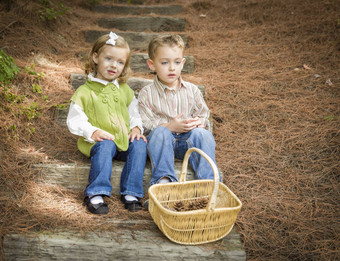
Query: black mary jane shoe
(98,209)
(133,205)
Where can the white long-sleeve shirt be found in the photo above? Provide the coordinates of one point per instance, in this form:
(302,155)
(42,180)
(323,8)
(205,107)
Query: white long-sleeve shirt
(78,123)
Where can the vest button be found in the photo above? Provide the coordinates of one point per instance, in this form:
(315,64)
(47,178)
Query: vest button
(104,100)
(116,99)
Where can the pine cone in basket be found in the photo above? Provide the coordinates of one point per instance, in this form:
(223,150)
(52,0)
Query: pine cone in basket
(190,205)
(197,203)
(179,206)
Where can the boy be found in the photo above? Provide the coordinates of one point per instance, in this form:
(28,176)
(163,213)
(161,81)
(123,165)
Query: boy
(174,114)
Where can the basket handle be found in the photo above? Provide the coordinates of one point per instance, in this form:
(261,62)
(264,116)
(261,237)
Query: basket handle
(182,177)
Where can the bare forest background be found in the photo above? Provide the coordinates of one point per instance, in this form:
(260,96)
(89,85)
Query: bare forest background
(271,73)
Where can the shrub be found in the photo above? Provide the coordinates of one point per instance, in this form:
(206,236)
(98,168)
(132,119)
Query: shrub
(50,11)
(8,69)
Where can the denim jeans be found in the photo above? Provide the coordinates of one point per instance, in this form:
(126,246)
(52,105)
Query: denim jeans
(164,146)
(131,182)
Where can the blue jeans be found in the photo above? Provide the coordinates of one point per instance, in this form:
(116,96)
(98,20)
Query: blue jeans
(131,182)
(164,146)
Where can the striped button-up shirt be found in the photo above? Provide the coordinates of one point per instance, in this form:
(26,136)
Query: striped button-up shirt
(159,104)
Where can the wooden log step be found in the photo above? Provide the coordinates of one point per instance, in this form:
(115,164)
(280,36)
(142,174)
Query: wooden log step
(137,40)
(75,175)
(139,9)
(120,244)
(146,23)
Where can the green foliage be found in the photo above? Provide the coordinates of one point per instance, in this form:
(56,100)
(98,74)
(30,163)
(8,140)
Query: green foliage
(13,127)
(30,70)
(329,118)
(8,69)
(62,106)
(31,111)
(50,11)
(16,104)
(36,88)
(12,97)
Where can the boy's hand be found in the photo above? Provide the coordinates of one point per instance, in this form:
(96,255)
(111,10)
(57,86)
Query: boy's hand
(100,135)
(195,122)
(135,133)
(181,126)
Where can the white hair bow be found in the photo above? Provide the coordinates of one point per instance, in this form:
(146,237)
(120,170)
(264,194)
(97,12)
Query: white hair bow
(113,38)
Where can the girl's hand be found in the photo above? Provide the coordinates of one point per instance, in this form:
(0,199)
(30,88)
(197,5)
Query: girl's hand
(135,134)
(100,135)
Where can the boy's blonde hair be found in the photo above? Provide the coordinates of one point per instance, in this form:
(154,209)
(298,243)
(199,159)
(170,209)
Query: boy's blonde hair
(170,40)
(91,67)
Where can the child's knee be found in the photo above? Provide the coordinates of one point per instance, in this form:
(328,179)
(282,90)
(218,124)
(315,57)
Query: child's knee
(105,145)
(139,145)
(200,132)
(161,133)
(200,135)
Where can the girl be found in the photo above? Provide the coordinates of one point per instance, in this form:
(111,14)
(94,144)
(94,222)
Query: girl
(104,113)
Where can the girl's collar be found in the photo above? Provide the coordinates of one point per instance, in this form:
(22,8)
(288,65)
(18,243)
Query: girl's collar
(94,79)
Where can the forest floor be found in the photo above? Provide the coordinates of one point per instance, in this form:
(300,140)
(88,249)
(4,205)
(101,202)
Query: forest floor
(271,73)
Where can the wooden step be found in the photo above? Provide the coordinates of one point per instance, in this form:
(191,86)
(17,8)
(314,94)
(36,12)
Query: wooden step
(137,40)
(140,24)
(139,9)
(121,244)
(75,175)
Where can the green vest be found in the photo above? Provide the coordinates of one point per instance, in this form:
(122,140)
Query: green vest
(106,108)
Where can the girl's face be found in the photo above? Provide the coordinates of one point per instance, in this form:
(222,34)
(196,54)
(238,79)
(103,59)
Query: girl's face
(110,62)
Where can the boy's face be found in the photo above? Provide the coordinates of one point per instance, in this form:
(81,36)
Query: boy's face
(168,63)
(110,62)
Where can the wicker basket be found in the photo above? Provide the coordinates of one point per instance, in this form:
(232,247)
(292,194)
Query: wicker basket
(200,226)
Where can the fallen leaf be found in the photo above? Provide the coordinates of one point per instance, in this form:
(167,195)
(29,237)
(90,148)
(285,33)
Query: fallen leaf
(306,67)
(329,82)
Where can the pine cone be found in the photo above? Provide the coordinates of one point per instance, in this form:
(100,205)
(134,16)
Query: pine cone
(179,206)
(198,204)
(195,204)
(204,202)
